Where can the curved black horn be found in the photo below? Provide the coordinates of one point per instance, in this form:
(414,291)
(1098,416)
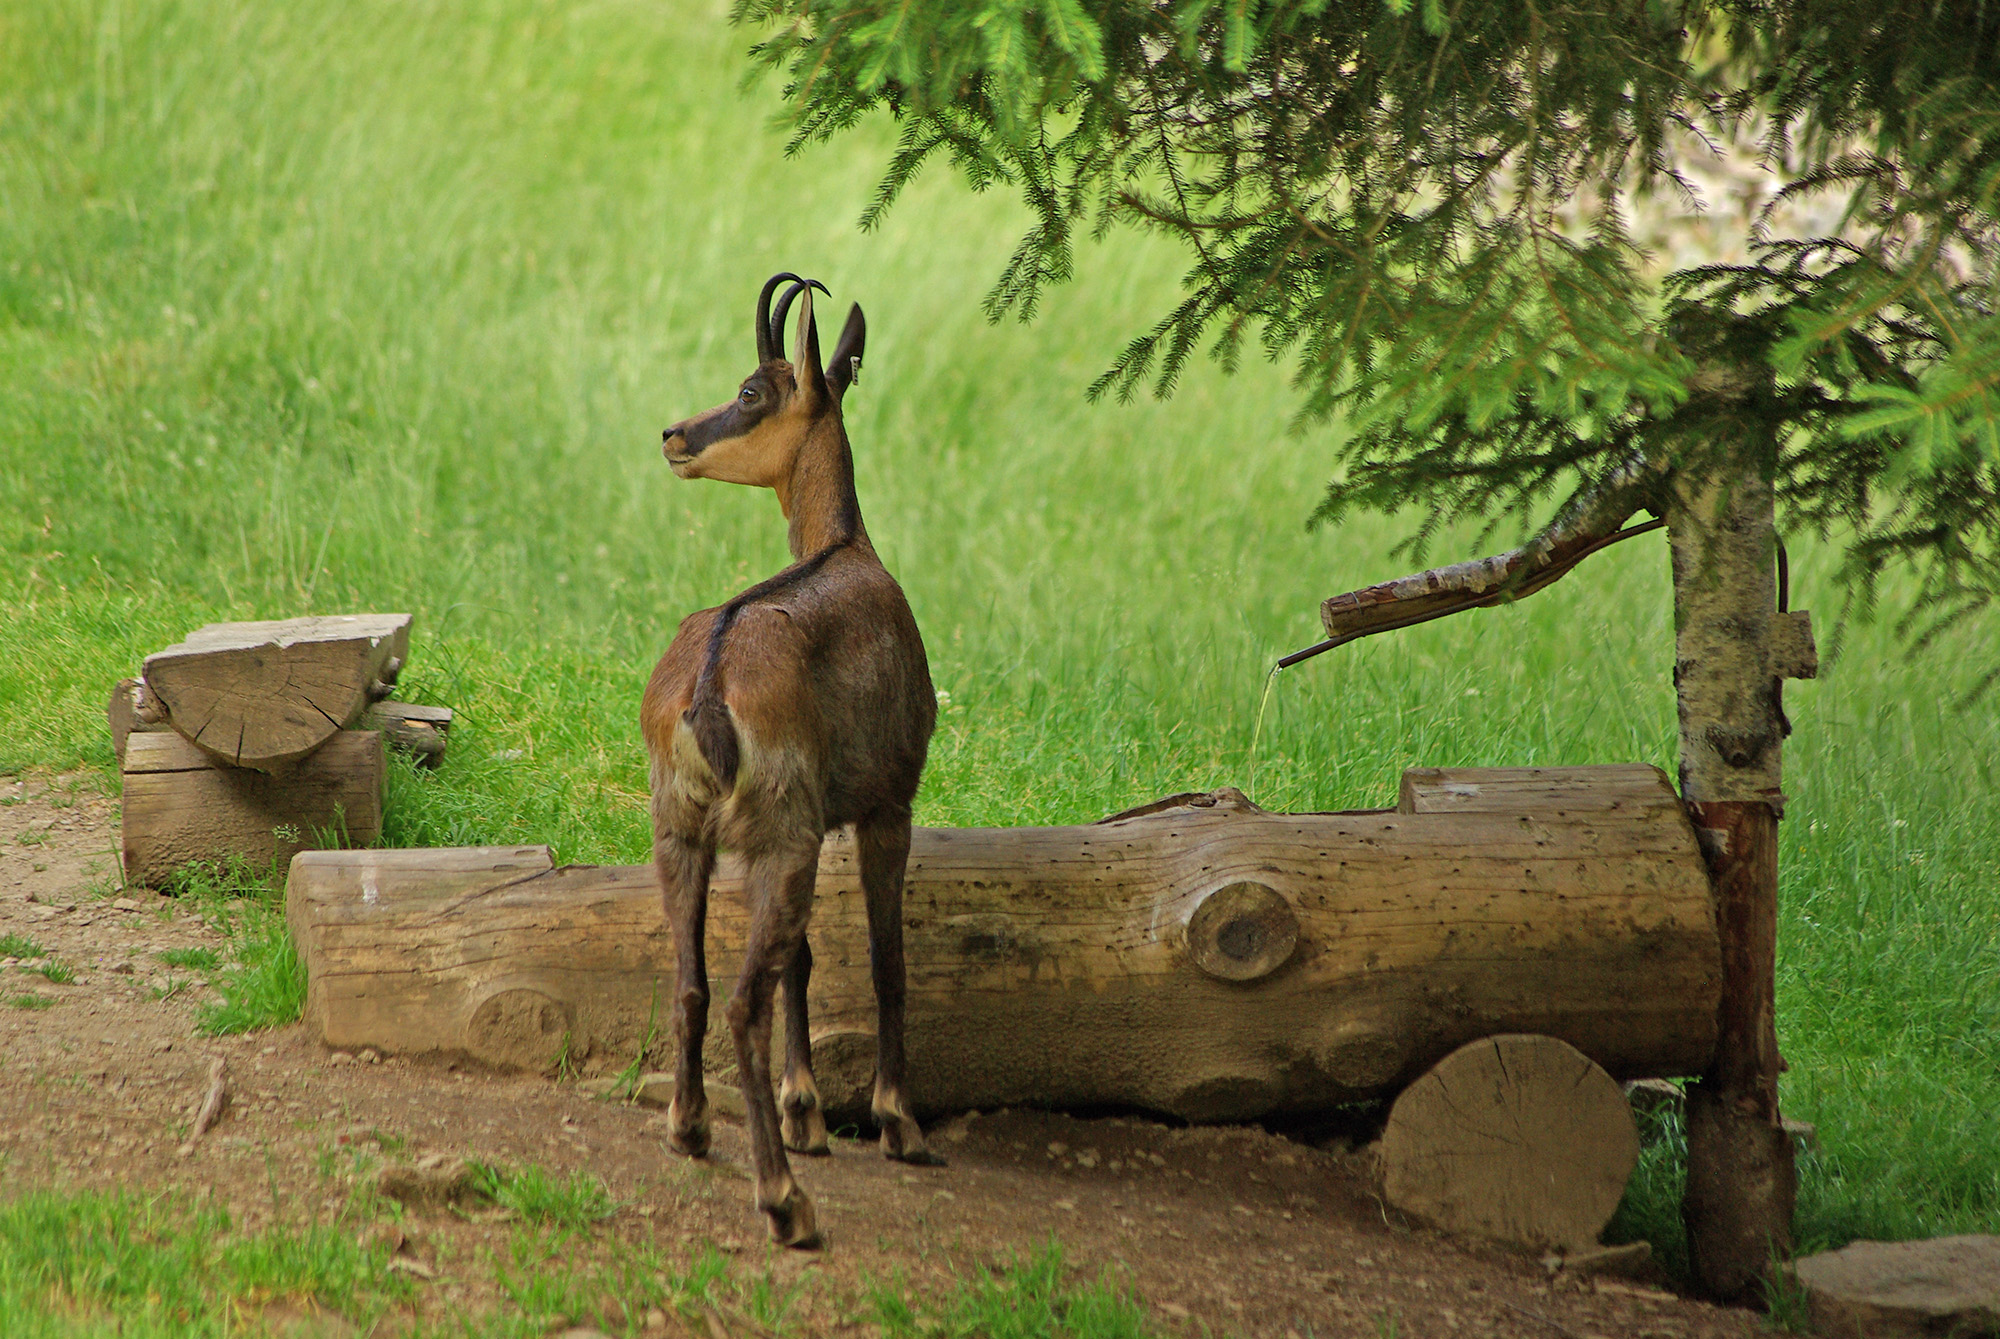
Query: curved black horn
(785,307)
(769,346)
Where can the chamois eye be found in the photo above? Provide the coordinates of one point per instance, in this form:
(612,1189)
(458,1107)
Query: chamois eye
(748,395)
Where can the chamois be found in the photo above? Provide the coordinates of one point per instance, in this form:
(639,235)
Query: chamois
(801,705)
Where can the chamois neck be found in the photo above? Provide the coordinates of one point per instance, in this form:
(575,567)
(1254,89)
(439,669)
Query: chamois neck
(818,498)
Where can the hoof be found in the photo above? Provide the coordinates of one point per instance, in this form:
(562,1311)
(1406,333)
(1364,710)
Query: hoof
(689,1138)
(805,1132)
(793,1222)
(693,1144)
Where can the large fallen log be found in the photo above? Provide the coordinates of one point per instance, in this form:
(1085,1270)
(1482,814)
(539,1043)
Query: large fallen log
(1206,960)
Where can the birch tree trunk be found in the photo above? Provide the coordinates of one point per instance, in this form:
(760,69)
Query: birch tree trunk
(1741,1182)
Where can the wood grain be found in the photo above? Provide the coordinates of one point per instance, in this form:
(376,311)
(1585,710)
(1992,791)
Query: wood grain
(262,695)
(1519,1139)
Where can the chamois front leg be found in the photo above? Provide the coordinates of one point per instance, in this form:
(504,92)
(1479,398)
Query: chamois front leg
(884,847)
(779,887)
(684,868)
(798,1095)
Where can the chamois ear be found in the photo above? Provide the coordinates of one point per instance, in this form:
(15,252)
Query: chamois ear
(805,357)
(845,367)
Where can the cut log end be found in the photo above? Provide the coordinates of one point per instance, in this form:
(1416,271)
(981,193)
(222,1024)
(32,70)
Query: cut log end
(1518,1139)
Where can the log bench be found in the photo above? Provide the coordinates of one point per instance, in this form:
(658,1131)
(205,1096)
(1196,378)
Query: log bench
(1200,957)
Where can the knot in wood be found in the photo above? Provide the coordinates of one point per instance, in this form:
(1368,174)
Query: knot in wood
(1242,931)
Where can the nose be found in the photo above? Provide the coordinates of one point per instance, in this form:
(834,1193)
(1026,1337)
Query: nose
(667,438)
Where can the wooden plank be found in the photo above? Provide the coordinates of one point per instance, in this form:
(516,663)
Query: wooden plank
(265,694)
(1535,790)
(180,805)
(1063,966)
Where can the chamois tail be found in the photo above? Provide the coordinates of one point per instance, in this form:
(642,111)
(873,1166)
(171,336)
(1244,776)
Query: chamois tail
(708,715)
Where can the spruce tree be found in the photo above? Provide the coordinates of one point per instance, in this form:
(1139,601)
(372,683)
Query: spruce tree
(1424,207)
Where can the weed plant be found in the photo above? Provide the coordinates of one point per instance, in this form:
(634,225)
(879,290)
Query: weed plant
(567,1203)
(20,946)
(330,308)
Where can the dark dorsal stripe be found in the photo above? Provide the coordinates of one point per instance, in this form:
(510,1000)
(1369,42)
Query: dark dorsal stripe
(707,715)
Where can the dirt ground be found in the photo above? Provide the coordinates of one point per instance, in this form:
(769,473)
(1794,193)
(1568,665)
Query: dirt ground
(1226,1231)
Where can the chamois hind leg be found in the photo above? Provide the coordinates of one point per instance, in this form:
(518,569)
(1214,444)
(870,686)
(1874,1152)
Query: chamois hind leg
(884,844)
(798,1095)
(779,887)
(684,869)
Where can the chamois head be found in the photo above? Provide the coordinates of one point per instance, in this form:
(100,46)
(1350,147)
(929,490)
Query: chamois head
(755,438)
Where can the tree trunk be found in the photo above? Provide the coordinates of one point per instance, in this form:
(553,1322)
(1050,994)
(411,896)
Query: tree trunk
(1741,1183)
(1207,960)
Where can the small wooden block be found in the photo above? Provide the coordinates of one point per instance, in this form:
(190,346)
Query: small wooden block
(422,732)
(181,805)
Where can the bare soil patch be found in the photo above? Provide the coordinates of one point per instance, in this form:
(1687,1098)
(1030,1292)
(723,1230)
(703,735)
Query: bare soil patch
(1220,1230)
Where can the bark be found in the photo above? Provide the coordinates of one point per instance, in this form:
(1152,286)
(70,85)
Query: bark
(1727,667)
(1208,960)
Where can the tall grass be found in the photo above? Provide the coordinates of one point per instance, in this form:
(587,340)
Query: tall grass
(377,306)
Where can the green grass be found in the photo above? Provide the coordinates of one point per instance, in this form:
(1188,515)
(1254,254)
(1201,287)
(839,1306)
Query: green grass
(320,309)
(263,982)
(60,973)
(94,1263)
(31,1002)
(20,946)
(571,1203)
(1032,1297)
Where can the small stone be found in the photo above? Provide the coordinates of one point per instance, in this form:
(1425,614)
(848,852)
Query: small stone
(1648,1095)
(1947,1285)
(126,904)
(123,969)
(656,1319)
(370,1056)
(433,1182)
(1086,1158)
(162,1047)
(1173,1310)
(1067,1206)
(1057,1148)
(655,1091)
(340,1058)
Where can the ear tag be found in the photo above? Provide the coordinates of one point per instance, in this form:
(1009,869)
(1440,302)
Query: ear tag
(853,368)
